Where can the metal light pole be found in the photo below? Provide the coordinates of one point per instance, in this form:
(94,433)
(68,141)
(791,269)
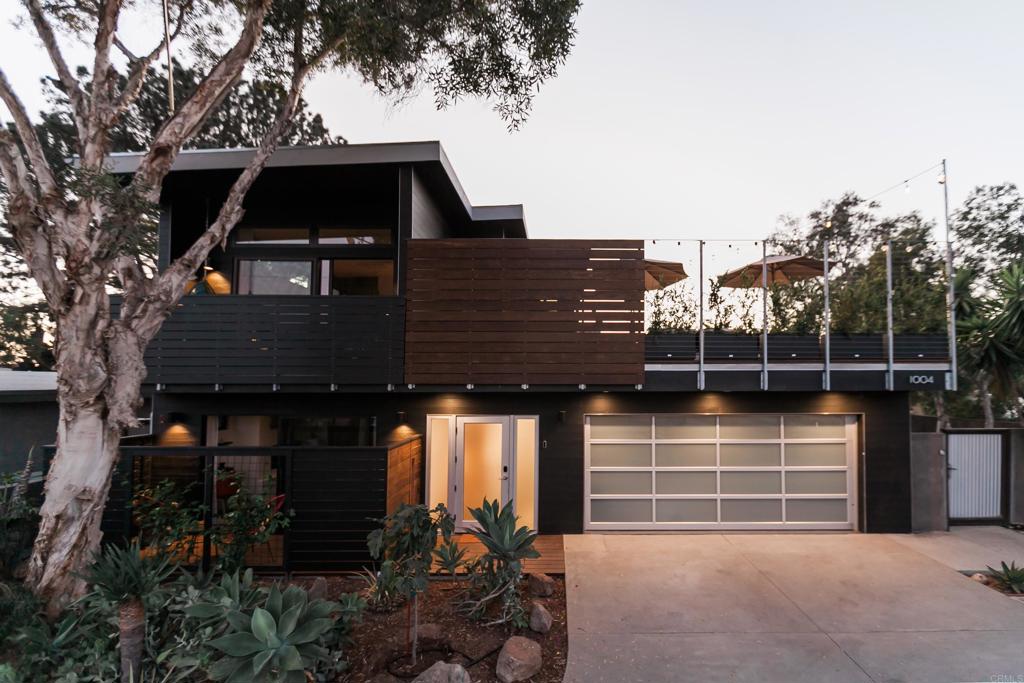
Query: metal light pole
(764,314)
(170,64)
(951,293)
(700,330)
(827,381)
(890,384)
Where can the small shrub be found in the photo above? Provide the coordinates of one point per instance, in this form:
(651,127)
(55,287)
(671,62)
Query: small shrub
(1010,578)
(168,519)
(451,557)
(19,520)
(496,575)
(251,519)
(19,609)
(382,590)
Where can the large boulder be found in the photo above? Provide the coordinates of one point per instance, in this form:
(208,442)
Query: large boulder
(519,660)
(540,618)
(443,672)
(541,585)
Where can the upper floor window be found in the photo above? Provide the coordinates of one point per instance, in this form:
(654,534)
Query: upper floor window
(268,236)
(353,236)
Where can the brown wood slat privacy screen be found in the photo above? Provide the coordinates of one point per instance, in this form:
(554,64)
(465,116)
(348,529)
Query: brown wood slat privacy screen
(524,311)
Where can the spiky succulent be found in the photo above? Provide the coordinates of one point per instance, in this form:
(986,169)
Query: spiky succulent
(278,642)
(1010,577)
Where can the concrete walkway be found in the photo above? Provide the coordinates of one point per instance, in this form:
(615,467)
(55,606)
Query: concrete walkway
(968,548)
(818,608)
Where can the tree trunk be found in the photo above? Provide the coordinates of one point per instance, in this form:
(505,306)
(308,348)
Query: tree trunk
(131,617)
(984,385)
(75,495)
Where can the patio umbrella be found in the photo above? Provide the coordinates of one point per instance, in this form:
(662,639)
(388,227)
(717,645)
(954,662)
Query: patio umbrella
(783,269)
(659,274)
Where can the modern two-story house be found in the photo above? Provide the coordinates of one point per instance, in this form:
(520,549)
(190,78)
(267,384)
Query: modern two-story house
(369,336)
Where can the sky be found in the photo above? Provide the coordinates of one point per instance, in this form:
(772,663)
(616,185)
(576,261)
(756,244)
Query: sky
(688,119)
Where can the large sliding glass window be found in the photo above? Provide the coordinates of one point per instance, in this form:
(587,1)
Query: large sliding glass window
(259,276)
(329,260)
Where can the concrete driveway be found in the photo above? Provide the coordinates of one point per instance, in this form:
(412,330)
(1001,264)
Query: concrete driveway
(788,608)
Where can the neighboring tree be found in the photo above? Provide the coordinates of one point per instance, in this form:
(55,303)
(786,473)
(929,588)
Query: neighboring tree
(241,120)
(76,227)
(989,230)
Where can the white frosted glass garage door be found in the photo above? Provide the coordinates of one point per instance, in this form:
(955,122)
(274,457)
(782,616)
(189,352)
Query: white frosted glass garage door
(720,472)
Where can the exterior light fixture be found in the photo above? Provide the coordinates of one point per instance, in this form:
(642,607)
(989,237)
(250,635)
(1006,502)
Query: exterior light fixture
(400,416)
(639,387)
(411,386)
(391,387)
(524,387)
(583,387)
(469,386)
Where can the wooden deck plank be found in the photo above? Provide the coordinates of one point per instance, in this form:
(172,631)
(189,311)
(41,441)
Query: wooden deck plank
(551,548)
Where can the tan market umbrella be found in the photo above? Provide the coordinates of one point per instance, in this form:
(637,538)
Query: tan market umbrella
(659,274)
(782,270)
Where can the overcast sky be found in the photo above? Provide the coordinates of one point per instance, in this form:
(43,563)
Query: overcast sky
(706,119)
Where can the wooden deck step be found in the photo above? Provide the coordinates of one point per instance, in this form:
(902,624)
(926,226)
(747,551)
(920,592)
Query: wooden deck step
(550,547)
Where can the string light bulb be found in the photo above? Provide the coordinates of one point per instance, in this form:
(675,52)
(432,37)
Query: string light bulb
(906,187)
(942,179)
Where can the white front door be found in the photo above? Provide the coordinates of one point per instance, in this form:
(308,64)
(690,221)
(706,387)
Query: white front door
(482,464)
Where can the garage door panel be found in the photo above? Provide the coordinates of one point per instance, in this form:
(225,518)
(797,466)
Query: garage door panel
(751,455)
(686,427)
(751,510)
(816,454)
(816,482)
(698,510)
(621,511)
(686,483)
(620,455)
(720,472)
(686,455)
(815,510)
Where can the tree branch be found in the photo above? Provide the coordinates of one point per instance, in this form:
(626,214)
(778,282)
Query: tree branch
(30,140)
(27,226)
(72,87)
(191,115)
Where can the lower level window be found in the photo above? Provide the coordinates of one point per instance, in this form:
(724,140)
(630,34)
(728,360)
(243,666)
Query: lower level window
(257,276)
(326,431)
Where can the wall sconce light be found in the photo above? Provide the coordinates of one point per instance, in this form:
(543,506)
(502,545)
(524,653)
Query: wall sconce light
(470,387)
(411,386)
(583,387)
(400,416)
(524,387)
(561,416)
(639,387)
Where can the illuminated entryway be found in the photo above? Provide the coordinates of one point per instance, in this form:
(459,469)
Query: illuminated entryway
(473,457)
(720,472)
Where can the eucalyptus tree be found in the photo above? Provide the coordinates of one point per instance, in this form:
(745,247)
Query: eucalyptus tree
(76,227)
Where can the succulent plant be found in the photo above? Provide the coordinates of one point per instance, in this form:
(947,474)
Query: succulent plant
(1010,577)
(278,642)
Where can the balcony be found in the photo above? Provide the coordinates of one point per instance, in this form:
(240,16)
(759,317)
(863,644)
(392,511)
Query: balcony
(229,342)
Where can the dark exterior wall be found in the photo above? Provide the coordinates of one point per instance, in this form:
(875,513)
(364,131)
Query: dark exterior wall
(885,477)
(24,425)
(427,220)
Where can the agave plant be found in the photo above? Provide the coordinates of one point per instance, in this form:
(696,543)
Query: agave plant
(278,642)
(1010,577)
(450,556)
(495,576)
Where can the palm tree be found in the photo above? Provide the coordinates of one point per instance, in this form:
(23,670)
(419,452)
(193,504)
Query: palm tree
(124,576)
(991,337)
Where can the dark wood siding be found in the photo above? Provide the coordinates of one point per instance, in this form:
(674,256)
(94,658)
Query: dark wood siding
(344,340)
(516,311)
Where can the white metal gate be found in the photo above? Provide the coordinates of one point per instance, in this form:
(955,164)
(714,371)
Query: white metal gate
(975,476)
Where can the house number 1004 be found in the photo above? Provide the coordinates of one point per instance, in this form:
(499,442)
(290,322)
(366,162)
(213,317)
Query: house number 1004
(922,379)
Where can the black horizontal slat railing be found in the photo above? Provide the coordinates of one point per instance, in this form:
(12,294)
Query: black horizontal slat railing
(342,340)
(725,347)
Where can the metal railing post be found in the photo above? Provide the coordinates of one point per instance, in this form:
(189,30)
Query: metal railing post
(700,329)
(889,383)
(764,315)
(827,376)
(951,316)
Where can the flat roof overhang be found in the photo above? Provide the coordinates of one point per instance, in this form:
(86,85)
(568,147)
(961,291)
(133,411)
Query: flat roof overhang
(428,157)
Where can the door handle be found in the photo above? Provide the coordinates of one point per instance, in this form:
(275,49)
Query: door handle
(505,478)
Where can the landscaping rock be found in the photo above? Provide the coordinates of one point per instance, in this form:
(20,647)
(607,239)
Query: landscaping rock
(482,644)
(385,677)
(540,618)
(519,660)
(443,672)
(318,591)
(541,585)
(982,578)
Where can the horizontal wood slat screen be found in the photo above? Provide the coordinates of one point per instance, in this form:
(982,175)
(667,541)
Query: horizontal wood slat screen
(524,311)
(405,473)
(343,340)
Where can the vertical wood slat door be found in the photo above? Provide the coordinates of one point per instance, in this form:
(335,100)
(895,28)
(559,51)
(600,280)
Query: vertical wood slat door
(975,476)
